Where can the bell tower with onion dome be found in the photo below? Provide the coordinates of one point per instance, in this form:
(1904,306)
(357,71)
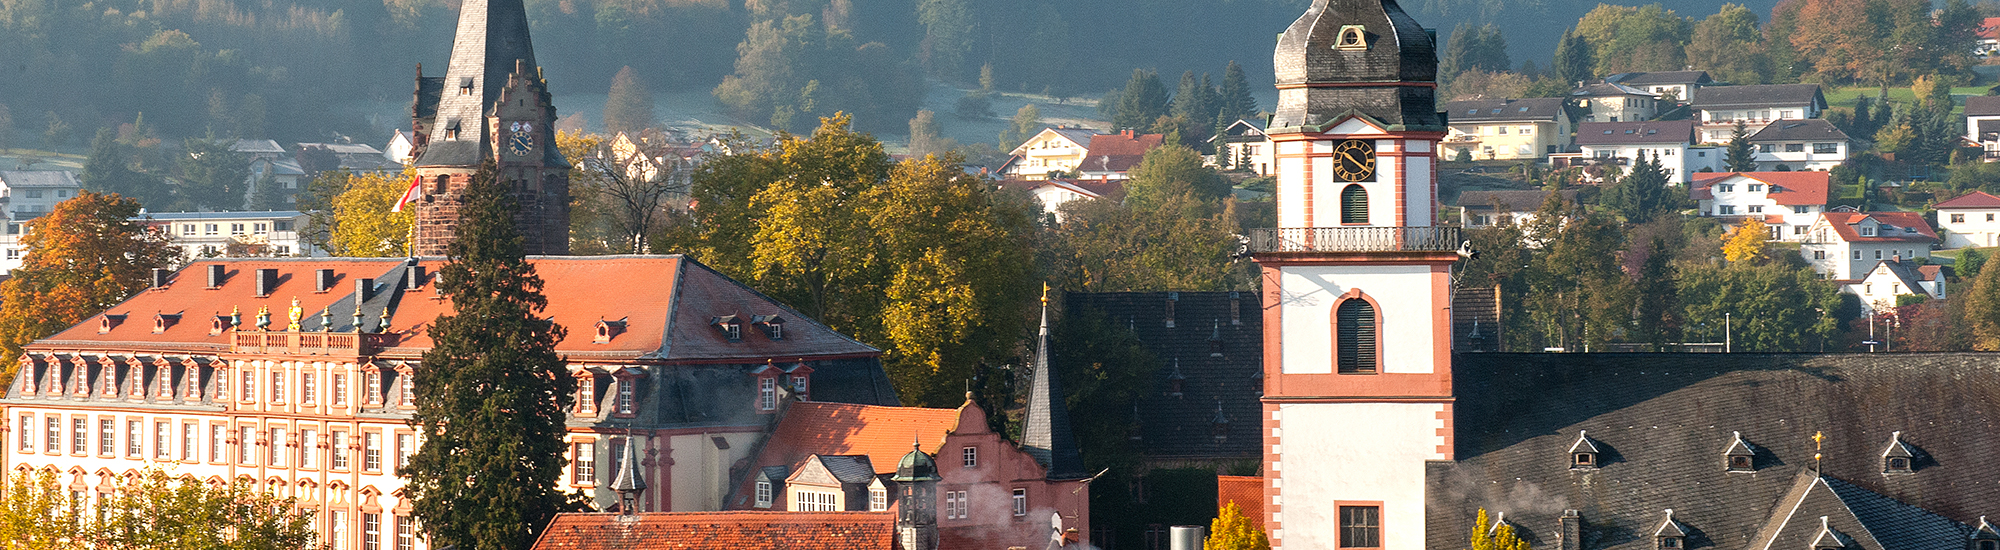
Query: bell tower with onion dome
(1356,282)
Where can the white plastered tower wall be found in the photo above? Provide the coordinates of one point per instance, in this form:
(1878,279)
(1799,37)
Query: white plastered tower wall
(1355,290)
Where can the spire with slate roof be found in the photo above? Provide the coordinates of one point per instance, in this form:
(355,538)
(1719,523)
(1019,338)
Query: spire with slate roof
(629,484)
(1046,434)
(492,36)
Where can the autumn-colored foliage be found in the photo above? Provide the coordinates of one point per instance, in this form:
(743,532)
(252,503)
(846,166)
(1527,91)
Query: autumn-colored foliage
(1486,536)
(85,256)
(364,227)
(1231,531)
(1747,242)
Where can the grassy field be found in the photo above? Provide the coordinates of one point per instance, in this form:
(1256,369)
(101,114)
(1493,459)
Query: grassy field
(1844,97)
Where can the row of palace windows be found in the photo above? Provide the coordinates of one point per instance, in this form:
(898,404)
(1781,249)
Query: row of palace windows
(222,443)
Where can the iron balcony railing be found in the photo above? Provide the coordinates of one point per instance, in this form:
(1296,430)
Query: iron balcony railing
(1355,239)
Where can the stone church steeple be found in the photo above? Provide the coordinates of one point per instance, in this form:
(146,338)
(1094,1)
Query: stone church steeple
(491,106)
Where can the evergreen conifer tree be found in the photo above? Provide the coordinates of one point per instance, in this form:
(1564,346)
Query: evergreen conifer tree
(1236,101)
(1574,62)
(493,378)
(1143,102)
(1740,157)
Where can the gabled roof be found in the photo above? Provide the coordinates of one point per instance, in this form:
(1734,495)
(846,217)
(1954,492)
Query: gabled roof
(834,470)
(1908,226)
(1096,189)
(1605,89)
(39,178)
(1737,447)
(257,146)
(1975,199)
(1811,129)
(1118,152)
(666,301)
(1760,95)
(1982,105)
(1659,132)
(1078,136)
(738,529)
(1897,448)
(882,434)
(1661,77)
(1583,444)
(1542,109)
(1670,528)
(1785,188)
(1242,128)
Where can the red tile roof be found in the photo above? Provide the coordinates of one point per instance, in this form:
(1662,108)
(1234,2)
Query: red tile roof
(1990,28)
(1975,199)
(1246,491)
(1843,224)
(1787,188)
(667,303)
(883,434)
(721,530)
(1118,152)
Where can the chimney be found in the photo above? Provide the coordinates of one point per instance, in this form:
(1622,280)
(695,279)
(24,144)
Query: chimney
(416,280)
(160,277)
(364,288)
(323,280)
(267,280)
(214,275)
(1569,531)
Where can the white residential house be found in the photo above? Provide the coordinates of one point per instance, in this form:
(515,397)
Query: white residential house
(1807,144)
(1982,124)
(1053,193)
(1243,146)
(1721,107)
(1672,141)
(1488,208)
(26,195)
(1843,246)
(1894,277)
(1608,102)
(1970,220)
(1507,129)
(235,234)
(1051,150)
(399,149)
(1787,202)
(1671,86)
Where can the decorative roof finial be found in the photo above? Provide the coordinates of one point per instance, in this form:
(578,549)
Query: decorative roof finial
(1818,458)
(1045,293)
(293,314)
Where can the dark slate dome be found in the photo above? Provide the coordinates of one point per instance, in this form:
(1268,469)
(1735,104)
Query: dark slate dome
(916,466)
(1357,55)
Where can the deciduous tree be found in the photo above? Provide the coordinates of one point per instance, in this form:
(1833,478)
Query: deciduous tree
(151,510)
(629,105)
(491,391)
(1171,170)
(1770,306)
(1747,243)
(363,226)
(1982,310)
(83,257)
(1730,47)
(1231,531)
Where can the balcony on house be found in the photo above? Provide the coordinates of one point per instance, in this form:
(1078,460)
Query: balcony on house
(1355,239)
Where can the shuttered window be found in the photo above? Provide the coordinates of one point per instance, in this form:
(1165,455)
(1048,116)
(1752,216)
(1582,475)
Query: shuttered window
(1354,205)
(1355,328)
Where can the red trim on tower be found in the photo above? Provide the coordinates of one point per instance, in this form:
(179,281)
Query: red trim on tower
(1402,186)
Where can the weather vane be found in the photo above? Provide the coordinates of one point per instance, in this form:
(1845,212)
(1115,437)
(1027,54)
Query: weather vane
(1818,437)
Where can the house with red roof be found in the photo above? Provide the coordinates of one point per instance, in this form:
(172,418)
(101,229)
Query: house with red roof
(1989,37)
(1788,202)
(1844,246)
(1113,156)
(1969,220)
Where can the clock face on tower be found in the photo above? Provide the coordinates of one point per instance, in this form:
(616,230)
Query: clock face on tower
(521,138)
(1354,160)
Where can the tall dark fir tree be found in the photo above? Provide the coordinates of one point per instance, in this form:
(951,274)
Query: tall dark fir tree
(491,391)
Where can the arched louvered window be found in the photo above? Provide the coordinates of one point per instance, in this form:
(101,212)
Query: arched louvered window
(1354,204)
(1355,337)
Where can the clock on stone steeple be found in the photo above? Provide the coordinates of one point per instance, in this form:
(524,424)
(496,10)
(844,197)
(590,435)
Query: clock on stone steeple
(1356,282)
(491,107)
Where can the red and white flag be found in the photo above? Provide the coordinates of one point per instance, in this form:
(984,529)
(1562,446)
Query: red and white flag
(408,194)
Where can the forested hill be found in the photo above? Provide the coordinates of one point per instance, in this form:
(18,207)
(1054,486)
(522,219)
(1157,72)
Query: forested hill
(271,68)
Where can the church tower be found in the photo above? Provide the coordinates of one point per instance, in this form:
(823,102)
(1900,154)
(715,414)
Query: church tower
(492,105)
(1356,282)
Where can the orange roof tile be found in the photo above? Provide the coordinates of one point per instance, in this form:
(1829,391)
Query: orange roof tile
(1843,224)
(1975,199)
(720,530)
(187,293)
(1246,491)
(884,434)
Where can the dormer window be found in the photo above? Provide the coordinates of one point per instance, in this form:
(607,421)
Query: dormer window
(1867,231)
(1899,458)
(730,325)
(109,321)
(1984,537)
(763,493)
(606,330)
(1740,456)
(772,325)
(1175,380)
(164,321)
(1352,38)
(451,126)
(1583,455)
(1671,535)
(586,392)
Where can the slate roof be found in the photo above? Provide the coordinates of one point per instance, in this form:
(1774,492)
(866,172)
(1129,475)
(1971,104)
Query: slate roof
(1785,188)
(706,530)
(1657,132)
(1398,50)
(845,469)
(1982,105)
(1811,129)
(1843,223)
(1045,427)
(1608,89)
(39,178)
(1220,356)
(1975,199)
(257,146)
(1661,77)
(1662,422)
(1541,109)
(1760,95)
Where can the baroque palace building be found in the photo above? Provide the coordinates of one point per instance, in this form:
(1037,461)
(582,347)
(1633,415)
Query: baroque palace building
(294,374)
